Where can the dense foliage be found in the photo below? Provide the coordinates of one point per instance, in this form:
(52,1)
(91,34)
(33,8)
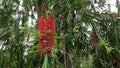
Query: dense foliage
(76,46)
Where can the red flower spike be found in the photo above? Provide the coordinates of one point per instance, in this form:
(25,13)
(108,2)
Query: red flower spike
(46,27)
(95,41)
(94,38)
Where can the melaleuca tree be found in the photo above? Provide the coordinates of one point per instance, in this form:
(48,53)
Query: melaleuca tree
(75,45)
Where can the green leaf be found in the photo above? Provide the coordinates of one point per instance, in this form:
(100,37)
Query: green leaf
(45,63)
(34,47)
(58,37)
(109,49)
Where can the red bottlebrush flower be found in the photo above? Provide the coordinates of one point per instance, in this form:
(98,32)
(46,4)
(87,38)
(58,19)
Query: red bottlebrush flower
(94,38)
(46,27)
(95,41)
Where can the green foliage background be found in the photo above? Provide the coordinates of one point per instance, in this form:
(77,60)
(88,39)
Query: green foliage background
(19,34)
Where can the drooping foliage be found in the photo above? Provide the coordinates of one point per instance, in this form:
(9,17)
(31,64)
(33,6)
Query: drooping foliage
(87,36)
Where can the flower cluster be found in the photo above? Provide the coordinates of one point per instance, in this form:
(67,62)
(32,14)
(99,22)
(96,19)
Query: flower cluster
(46,27)
(94,38)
